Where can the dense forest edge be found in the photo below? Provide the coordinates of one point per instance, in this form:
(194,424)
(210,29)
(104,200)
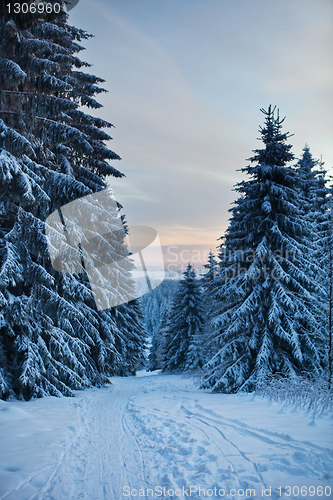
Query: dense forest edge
(53,339)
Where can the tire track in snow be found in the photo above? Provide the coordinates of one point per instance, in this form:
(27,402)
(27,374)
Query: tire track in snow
(26,481)
(232,467)
(266,451)
(101,457)
(287,457)
(283,442)
(143,473)
(268,437)
(241,453)
(114,444)
(163,433)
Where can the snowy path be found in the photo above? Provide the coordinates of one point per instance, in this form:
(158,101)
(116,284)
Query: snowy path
(159,431)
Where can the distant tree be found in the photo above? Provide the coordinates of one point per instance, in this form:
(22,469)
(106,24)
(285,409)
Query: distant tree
(209,282)
(183,334)
(157,353)
(208,278)
(154,304)
(269,303)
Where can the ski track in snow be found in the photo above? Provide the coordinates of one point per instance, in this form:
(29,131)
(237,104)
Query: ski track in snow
(158,430)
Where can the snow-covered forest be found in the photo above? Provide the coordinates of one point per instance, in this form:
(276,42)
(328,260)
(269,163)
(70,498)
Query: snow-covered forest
(254,331)
(53,339)
(264,306)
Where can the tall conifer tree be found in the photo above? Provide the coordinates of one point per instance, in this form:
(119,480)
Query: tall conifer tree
(311,179)
(52,338)
(318,210)
(267,319)
(157,353)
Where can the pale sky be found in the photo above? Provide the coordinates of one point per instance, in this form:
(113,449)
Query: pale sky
(186,81)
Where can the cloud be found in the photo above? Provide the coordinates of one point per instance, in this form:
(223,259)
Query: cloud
(174,148)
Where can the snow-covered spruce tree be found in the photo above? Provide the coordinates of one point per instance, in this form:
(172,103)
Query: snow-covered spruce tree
(316,209)
(184,333)
(209,277)
(157,353)
(52,338)
(269,301)
(329,268)
(312,184)
(209,282)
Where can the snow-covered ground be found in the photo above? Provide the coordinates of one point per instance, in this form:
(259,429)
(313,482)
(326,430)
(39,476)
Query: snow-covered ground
(158,436)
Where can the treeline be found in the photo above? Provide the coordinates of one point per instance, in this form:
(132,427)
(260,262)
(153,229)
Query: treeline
(264,307)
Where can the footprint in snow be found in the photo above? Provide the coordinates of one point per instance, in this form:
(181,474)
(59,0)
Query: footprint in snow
(201,450)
